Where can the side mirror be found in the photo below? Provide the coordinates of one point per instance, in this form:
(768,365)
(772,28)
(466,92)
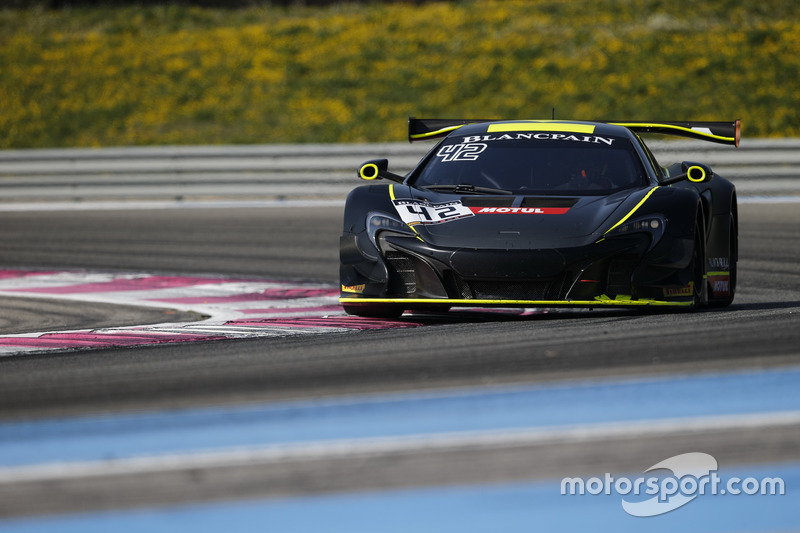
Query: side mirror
(378,168)
(694,172)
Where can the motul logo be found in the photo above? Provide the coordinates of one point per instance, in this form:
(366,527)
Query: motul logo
(520,210)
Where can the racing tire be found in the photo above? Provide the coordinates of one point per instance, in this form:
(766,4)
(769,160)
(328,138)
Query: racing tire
(733,256)
(699,269)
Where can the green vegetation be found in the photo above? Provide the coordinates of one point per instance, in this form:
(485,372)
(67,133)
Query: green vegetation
(173,74)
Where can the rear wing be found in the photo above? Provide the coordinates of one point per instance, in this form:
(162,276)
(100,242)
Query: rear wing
(718,132)
(422,129)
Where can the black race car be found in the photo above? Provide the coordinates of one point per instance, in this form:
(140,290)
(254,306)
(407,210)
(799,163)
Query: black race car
(531,213)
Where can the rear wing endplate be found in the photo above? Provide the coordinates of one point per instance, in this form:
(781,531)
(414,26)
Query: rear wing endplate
(422,129)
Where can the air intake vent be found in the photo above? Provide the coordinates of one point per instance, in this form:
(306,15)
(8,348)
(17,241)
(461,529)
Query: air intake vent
(550,289)
(500,290)
(402,280)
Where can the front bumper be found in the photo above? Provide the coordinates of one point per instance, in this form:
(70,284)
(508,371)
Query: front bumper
(612,272)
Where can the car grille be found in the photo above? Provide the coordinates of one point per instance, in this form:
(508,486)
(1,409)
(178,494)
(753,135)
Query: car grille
(501,290)
(518,289)
(403,281)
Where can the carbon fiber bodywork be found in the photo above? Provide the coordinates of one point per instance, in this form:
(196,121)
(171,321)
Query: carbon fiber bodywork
(661,241)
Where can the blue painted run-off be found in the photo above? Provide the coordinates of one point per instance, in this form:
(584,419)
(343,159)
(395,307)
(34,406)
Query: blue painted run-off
(474,409)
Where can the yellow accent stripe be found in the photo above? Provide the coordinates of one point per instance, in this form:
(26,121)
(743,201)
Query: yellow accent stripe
(391,191)
(436,133)
(632,211)
(719,273)
(541,126)
(674,127)
(524,303)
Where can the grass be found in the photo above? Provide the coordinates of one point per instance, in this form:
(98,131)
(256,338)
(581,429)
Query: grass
(354,72)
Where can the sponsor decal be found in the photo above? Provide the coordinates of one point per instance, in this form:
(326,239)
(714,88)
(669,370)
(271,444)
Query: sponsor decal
(719,263)
(683,291)
(414,212)
(460,152)
(593,139)
(720,284)
(358,289)
(519,210)
(472,146)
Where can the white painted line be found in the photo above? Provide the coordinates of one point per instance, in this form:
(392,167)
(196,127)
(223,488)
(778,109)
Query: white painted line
(338,449)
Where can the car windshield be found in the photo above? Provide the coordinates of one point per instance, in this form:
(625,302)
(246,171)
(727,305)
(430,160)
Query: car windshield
(531,166)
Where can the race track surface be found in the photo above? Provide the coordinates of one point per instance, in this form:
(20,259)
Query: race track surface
(687,358)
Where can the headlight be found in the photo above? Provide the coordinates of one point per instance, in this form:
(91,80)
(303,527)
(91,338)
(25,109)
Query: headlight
(377,222)
(652,224)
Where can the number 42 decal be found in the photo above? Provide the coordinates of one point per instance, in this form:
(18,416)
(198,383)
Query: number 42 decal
(419,212)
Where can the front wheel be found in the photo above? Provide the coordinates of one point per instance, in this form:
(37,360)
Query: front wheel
(699,284)
(733,255)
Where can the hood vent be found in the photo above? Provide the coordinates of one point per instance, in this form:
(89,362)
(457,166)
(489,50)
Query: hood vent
(488,201)
(544,201)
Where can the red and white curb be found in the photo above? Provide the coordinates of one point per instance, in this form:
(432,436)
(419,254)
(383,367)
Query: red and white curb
(235,307)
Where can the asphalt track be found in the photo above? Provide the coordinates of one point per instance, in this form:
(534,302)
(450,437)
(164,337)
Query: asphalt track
(759,331)
(301,244)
